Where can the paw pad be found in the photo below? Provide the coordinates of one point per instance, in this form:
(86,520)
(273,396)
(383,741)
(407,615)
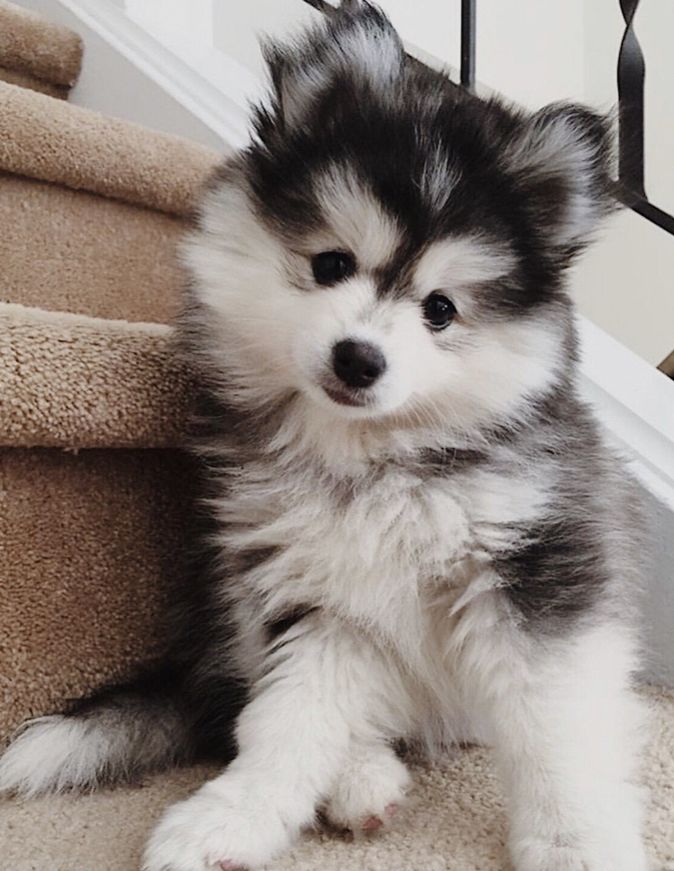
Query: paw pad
(371,824)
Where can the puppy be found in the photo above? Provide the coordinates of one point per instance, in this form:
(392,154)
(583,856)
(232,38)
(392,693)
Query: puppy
(414,527)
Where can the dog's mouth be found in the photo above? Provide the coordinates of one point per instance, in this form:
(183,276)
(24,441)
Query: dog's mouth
(344,397)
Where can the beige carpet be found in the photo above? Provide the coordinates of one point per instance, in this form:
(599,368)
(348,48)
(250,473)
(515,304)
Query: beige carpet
(37,54)
(455,821)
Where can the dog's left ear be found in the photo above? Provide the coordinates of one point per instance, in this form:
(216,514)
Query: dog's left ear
(561,159)
(354,46)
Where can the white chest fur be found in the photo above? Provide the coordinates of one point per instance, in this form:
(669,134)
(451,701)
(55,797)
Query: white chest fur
(376,551)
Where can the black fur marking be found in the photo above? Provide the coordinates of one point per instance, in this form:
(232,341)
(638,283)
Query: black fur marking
(451,460)
(212,692)
(153,683)
(246,560)
(557,576)
(282,624)
(560,570)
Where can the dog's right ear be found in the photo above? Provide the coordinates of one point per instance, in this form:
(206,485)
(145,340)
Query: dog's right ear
(354,44)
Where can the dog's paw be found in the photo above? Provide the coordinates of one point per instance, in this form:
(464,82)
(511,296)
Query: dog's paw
(226,826)
(368,792)
(565,854)
(535,855)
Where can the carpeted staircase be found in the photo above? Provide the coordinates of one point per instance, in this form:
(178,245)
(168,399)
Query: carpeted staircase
(94,490)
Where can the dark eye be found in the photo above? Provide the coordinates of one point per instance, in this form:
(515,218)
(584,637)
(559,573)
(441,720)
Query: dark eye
(438,311)
(329,267)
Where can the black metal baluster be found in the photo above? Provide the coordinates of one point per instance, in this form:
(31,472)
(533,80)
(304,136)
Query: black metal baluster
(631,78)
(321,5)
(468,42)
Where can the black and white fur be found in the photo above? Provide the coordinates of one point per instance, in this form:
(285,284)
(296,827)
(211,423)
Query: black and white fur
(449,553)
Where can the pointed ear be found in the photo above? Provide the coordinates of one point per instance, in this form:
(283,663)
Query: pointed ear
(355,43)
(562,159)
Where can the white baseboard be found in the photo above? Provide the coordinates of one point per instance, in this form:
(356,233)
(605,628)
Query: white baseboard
(635,402)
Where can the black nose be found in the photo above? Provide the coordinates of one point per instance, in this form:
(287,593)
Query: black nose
(357,364)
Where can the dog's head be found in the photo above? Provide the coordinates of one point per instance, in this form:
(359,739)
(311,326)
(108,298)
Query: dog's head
(391,247)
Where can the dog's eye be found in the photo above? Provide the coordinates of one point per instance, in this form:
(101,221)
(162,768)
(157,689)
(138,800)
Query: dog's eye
(438,311)
(329,267)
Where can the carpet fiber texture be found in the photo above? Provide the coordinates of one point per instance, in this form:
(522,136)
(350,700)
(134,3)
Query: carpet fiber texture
(455,820)
(72,250)
(73,381)
(54,141)
(36,53)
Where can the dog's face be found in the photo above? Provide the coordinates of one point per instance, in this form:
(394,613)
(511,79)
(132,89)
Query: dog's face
(391,246)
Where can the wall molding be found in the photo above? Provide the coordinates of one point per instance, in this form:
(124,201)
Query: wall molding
(224,112)
(635,402)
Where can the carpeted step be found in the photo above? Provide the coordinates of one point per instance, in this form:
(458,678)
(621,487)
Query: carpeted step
(71,381)
(53,141)
(70,250)
(91,209)
(91,543)
(94,501)
(37,54)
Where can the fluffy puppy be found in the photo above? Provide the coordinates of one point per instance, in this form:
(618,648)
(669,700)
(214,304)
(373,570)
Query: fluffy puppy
(414,527)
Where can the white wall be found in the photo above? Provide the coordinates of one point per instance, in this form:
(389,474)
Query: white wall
(113,84)
(529,49)
(237,31)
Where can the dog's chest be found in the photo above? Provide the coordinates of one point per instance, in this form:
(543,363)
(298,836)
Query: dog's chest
(374,551)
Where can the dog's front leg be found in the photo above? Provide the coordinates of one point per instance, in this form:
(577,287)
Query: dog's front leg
(566,729)
(293,738)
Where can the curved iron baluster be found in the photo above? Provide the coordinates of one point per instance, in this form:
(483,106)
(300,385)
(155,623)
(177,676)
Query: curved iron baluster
(321,5)
(631,77)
